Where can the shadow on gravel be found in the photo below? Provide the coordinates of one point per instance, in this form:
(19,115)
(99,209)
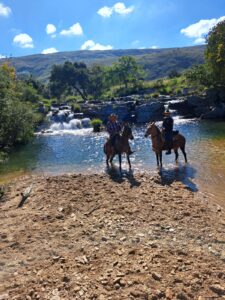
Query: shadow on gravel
(115,175)
(183,173)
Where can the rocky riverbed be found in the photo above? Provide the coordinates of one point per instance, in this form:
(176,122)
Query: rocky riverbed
(107,237)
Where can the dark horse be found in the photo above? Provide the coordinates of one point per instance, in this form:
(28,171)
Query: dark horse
(158,143)
(121,146)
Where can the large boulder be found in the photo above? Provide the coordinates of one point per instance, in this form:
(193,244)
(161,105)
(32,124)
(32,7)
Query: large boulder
(196,101)
(215,113)
(197,105)
(149,111)
(180,105)
(103,111)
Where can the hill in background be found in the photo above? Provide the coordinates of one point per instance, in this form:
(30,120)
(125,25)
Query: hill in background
(156,62)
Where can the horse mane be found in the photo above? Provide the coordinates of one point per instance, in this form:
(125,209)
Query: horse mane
(157,129)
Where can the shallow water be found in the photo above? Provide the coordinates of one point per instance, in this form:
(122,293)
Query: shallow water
(80,151)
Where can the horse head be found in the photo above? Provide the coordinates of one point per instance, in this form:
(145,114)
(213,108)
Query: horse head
(151,129)
(127,132)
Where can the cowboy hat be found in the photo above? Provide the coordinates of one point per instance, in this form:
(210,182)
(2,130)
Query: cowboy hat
(166,112)
(113,117)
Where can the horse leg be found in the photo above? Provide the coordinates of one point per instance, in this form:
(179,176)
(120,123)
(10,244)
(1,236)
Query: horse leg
(107,160)
(157,158)
(120,162)
(160,158)
(176,155)
(184,153)
(111,159)
(128,159)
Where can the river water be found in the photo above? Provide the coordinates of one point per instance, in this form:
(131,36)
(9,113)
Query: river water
(80,151)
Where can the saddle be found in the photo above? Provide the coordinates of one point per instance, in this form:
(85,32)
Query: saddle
(115,142)
(166,145)
(175,132)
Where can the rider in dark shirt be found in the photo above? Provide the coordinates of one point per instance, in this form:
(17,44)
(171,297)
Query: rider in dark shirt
(168,130)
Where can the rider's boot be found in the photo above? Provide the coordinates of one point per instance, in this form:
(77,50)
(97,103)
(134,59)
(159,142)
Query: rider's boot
(169,145)
(168,152)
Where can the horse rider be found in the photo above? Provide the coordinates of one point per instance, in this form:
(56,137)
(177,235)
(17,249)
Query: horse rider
(114,128)
(167,127)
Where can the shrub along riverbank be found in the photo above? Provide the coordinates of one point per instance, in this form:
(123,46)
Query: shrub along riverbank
(18,109)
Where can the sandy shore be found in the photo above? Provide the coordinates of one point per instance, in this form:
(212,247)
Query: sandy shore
(102,237)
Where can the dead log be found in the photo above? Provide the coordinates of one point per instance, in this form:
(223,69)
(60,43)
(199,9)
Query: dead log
(25,195)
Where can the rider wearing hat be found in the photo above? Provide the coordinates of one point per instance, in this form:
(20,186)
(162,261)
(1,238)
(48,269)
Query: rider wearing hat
(168,130)
(114,127)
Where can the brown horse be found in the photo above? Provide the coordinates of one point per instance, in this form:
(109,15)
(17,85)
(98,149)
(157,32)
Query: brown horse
(121,145)
(158,143)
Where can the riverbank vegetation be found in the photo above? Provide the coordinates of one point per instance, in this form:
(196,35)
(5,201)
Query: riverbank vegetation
(18,108)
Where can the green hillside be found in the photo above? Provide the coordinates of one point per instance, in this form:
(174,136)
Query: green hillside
(156,62)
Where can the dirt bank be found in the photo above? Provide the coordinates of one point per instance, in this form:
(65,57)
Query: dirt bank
(96,237)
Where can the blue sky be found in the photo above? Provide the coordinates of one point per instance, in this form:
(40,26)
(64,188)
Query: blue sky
(47,26)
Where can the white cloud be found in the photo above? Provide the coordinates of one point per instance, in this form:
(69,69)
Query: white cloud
(118,8)
(121,9)
(154,47)
(49,51)
(23,40)
(200,41)
(199,30)
(2,56)
(105,11)
(75,29)
(50,29)
(4,10)
(91,45)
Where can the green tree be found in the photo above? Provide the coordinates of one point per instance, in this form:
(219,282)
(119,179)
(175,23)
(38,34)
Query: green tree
(173,74)
(17,118)
(215,53)
(98,82)
(30,94)
(127,71)
(199,75)
(70,76)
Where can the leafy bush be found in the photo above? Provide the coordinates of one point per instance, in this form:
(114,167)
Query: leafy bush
(96,122)
(76,108)
(71,99)
(155,95)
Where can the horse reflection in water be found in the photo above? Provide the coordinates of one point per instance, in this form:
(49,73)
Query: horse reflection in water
(121,146)
(158,143)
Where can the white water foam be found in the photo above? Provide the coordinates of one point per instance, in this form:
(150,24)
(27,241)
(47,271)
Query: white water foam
(74,127)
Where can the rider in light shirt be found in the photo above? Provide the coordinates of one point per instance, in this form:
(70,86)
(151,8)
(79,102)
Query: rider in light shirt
(114,127)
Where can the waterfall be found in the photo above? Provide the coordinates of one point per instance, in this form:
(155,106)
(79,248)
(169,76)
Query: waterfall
(71,125)
(63,120)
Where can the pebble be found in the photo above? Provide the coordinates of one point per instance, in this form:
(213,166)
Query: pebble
(156,276)
(218,289)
